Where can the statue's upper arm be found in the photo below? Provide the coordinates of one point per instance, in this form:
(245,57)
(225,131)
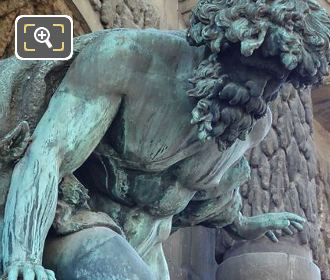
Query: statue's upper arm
(105,66)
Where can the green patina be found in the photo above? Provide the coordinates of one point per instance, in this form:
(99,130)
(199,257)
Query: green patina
(120,116)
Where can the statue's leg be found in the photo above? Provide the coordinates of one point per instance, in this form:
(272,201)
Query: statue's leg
(94,254)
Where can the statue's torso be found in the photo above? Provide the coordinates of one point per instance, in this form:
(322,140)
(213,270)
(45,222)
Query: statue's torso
(152,129)
(151,155)
(150,163)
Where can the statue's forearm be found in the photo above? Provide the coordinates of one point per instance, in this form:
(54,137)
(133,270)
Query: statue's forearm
(250,227)
(264,224)
(30,207)
(237,227)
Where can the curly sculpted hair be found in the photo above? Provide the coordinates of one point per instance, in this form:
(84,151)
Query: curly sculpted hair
(295,31)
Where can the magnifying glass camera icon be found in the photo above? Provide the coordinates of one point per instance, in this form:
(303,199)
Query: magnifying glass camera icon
(42,35)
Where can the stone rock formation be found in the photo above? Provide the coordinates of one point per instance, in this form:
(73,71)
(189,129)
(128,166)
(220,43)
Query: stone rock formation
(9,10)
(283,178)
(322,143)
(127,13)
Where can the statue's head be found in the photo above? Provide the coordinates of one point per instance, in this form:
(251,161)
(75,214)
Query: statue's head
(252,48)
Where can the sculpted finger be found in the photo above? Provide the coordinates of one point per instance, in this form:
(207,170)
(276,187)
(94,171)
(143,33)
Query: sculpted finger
(10,136)
(280,224)
(40,273)
(287,231)
(293,229)
(19,134)
(28,273)
(13,273)
(271,236)
(23,134)
(297,226)
(14,144)
(295,218)
(51,274)
(51,278)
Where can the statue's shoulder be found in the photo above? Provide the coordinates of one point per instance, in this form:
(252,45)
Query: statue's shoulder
(119,56)
(135,41)
(142,35)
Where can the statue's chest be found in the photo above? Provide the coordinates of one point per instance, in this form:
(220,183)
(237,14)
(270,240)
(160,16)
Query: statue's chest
(151,157)
(153,122)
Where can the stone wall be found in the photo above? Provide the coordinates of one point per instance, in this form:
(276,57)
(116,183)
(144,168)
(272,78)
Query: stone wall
(322,143)
(135,13)
(93,15)
(321,109)
(127,13)
(10,9)
(283,178)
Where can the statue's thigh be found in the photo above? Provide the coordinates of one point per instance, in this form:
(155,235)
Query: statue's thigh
(94,254)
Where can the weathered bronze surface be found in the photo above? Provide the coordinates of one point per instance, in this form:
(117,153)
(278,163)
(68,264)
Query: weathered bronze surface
(154,124)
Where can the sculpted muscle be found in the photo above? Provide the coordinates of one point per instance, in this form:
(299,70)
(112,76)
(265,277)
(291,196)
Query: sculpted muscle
(159,126)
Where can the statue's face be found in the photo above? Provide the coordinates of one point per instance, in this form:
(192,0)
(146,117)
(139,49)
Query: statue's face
(261,76)
(253,47)
(296,32)
(233,91)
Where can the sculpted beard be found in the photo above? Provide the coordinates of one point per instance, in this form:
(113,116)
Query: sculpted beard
(295,33)
(225,110)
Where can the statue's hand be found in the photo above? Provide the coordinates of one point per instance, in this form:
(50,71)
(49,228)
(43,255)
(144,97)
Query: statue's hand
(287,222)
(267,224)
(28,271)
(13,145)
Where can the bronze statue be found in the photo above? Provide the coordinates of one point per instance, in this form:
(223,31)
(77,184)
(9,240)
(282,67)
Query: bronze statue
(155,125)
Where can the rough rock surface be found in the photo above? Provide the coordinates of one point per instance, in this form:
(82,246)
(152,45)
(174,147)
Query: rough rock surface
(321,105)
(284,173)
(126,13)
(322,142)
(185,7)
(10,9)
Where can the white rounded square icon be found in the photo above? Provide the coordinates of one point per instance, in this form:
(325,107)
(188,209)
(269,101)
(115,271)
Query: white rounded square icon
(43,37)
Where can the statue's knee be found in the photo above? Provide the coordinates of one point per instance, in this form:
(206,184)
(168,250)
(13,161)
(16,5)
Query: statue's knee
(98,254)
